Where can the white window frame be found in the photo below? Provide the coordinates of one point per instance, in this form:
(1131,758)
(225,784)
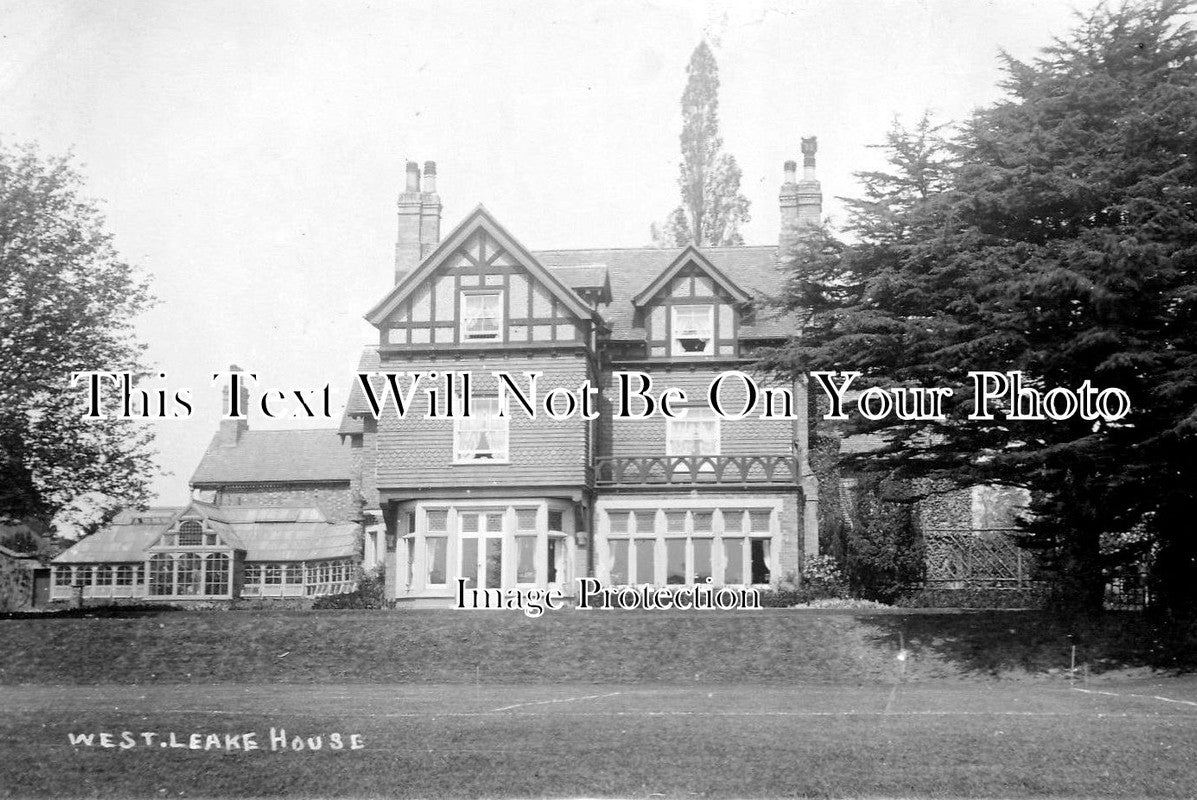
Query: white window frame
(734,529)
(484,534)
(677,330)
(469,315)
(499,424)
(673,426)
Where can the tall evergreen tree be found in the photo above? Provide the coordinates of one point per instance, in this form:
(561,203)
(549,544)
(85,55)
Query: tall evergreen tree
(712,208)
(1055,235)
(67,303)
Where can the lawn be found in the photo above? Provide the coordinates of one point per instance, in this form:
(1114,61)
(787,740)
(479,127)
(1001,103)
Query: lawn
(962,740)
(458,704)
(767,646)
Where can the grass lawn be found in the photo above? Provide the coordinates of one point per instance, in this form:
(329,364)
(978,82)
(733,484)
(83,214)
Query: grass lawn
(960,740)
(457,704)
(768,646)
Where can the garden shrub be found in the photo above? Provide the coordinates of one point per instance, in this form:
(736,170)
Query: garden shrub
(370,593)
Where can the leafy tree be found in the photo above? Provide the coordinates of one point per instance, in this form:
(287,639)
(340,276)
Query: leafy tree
(1055,234)
(712,208)
(67,304)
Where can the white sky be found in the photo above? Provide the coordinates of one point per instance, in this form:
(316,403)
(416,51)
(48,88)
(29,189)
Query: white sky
(249,154)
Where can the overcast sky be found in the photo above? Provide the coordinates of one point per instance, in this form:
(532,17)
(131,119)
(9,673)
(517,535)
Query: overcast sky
(248,155)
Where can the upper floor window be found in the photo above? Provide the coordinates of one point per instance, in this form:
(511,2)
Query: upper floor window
(481,316)
(482,436)
(693,330)
(696,434)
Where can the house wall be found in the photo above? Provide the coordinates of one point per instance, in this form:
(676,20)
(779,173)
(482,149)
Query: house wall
(418,452)
(335,500)
(627,437)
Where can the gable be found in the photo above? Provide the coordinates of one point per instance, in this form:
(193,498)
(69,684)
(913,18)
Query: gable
(631,270)
(691,310)
(680,277)
(481,288)
(201,520)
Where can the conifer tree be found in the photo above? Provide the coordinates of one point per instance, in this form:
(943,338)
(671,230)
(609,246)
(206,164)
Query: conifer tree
(1056,235)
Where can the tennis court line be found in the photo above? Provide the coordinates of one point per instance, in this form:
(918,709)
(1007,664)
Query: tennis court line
(558,700)
(1138,696)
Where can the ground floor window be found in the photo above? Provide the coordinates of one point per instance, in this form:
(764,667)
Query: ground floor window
(687,546)
(489,545)
(299,578)
(189,575)
(99,580)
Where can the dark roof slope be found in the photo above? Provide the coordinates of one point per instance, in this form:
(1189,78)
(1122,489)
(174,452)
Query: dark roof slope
(631,270)
(356,405)
(270,456)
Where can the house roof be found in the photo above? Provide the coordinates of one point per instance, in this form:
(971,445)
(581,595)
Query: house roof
(632,270)
(118,542)
(628,272)
(265,534)
(275,456)
(583,276)
(356,406)
(691,255)
(298,541)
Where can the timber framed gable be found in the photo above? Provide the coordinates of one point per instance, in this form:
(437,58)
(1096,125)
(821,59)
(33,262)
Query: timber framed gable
(481,289)
(691,310)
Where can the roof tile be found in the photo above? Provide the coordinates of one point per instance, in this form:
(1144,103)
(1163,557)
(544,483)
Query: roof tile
(275,456)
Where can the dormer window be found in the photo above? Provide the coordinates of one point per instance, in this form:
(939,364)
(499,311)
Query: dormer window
(693,330)
(481,316)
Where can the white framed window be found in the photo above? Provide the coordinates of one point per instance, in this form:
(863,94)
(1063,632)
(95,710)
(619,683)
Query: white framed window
(482,436)
(695,434)
(689,547)
(693,329)
(481,549)
(482,316)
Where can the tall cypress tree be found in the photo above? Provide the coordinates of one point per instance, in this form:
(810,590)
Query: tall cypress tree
(1056,235)
(712,208)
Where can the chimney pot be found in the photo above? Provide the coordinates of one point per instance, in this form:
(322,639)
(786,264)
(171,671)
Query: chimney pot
(430,177)
(231,430)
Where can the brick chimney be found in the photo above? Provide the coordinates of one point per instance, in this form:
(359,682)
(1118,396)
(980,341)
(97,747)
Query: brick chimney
(231,430)
(810,193)
(788,235)
(430,212)
(407,239)
(801,201)
(419,219)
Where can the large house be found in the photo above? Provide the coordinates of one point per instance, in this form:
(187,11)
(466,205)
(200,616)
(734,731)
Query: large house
(501,499)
